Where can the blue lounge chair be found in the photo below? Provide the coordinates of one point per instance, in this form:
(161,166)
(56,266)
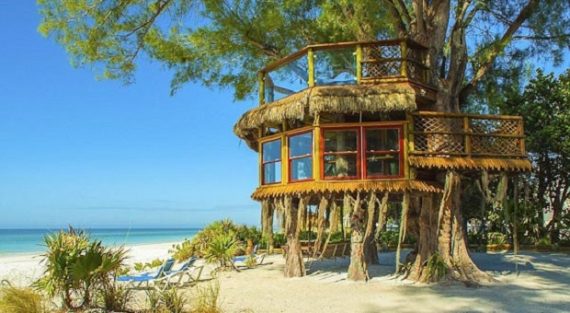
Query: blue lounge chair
(240,261)
(138,281)
(176,277)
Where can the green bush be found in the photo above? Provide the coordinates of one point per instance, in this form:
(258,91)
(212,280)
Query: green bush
(221,248)
(207,299)
(140,266)
(388,238)
(198,245)
(436,267)
(165,301)
(496,238)
(77,266)
(114,297)
(21,300)
(544,243)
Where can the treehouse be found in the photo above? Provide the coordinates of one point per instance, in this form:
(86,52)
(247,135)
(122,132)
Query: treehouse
(356,121)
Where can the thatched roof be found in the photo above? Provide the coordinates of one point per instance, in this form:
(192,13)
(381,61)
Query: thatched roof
(464,163)
(315,187)
(325,99)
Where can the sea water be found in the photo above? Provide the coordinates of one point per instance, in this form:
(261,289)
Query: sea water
(31,240)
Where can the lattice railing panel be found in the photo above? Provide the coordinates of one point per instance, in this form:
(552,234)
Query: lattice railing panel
(467,135)
(496,145)
(381,69)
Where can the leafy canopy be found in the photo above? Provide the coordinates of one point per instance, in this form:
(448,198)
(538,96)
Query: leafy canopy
(224,43)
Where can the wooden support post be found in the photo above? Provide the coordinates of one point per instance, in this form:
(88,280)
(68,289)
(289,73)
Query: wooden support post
(358,63)
(467,131)
(311,67)
(404,56)
(261,79)
(521,133)
(317,153)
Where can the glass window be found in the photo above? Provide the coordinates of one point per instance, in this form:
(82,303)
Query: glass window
(340,159)
(383,152)
(271,166)
(301,156)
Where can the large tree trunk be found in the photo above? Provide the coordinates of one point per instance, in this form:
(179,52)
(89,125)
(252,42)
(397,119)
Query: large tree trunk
(267,223)
(294,265)
(444,234)
(323,204)
(357,270)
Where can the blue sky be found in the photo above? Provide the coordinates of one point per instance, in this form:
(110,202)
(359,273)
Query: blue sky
(75,150)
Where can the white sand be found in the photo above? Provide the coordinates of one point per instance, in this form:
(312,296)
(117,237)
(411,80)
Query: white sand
(542,284)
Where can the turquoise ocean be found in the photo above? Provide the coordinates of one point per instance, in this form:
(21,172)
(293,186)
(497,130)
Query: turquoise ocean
(14,241)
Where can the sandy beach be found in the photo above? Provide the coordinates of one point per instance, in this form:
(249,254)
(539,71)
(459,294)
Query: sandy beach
(530,282)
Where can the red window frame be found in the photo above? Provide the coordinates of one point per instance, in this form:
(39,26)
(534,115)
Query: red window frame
(291,159)
(263,162)
(324,153)
(399,153)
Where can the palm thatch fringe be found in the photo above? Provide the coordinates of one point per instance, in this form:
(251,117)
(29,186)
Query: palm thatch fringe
(466,163)
(310,188)
(330,99)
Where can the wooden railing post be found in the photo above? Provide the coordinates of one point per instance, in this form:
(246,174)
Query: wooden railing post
(358,63)
(521,133)
(261,80)
(467,135)
(311,67)
(404,56)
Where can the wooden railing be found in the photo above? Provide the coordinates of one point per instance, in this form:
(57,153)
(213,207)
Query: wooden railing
(345,63)
(466,135)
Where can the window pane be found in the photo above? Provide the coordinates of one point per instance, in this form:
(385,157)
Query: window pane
(340,165)
(301,144)
(383,165)
(340,140)
(302,168)
(272,150)
(272,173)
(382,140)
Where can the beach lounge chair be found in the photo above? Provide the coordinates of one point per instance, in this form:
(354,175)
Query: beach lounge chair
(137,281)
(188,270)
(240,261)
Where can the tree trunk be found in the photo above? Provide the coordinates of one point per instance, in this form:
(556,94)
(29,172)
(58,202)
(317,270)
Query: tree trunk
(323,204)
(357,270)
(402,233)
(267,223)
(294,265)
(427,240)
(370,249)
(382,214)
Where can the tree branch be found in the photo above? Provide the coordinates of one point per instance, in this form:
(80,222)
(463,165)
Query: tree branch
(499,46)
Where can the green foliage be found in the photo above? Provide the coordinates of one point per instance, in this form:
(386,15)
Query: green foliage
(114,297)
(544,243)
(75,266)
(436,267)
(389,238)
(545,107)
(21,300)
(166,301)
(221,248)
(140,266)
(199,244)
(207,299)
(495,238)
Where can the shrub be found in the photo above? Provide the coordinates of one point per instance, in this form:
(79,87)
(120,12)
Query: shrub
(544,243)
(221,249)
(114,297)
(140,266)
(207,299)
(21,300)
(436,267)
(388,238)
(76,266)
(496,238)
(165,301)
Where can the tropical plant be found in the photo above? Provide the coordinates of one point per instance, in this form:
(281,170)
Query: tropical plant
(221,249)
(114,297)
(206,300)
(141,266)
(496,238)
(75,266)
(165,301)
(21,300)
(436,267)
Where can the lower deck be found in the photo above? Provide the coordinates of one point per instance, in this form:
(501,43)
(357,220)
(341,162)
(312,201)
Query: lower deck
(395,155)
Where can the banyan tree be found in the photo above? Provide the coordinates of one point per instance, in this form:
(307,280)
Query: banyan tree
(347,128)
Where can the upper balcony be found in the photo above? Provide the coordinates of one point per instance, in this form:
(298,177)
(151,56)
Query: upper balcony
(397,62)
